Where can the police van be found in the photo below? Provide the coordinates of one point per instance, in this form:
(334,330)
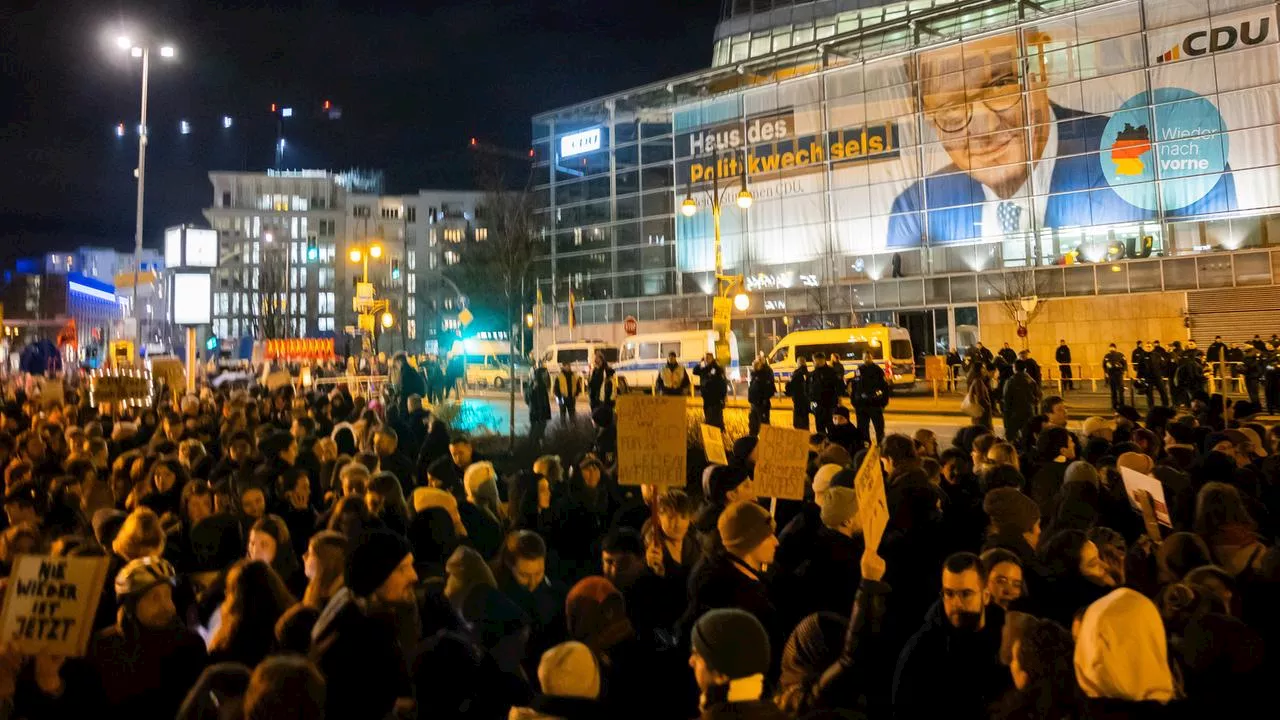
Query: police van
(581,354)
(889,345)
(641,357)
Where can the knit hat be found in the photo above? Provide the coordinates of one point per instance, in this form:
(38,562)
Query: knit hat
(466,570)
(1136,462)
(743,526)
(106,524)
(444,470)
(838,507)
(1080,471)
(1009,508)
(732,642)
(835,455)
(596,614)
(569,670)
(425,498)
(724,478)
(1121,653)
(742,449)
(822,478)
(372,559)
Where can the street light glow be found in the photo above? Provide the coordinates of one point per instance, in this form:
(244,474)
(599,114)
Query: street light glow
(135,51)
(742,301)
(268,237)
(226,121)
(355,255)
(286,112)
(689,207)
(120,130)
(123,42)
(375,252)
(387,320)
(167,51)
(744,198)
(184,127)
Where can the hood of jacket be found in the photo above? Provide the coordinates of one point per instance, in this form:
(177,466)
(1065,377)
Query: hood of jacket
(1121,652)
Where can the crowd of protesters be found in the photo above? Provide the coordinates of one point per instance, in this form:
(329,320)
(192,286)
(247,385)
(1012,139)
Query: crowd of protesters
(309,555)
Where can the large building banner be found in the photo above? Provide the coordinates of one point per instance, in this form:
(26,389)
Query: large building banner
(1076,122)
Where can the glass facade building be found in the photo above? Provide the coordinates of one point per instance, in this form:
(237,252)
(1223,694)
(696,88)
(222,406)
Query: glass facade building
(907,159)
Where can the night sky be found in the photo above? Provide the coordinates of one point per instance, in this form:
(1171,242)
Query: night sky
(414,81)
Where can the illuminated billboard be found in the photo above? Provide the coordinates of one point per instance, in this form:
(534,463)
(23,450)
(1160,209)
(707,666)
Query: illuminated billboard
(1075,122)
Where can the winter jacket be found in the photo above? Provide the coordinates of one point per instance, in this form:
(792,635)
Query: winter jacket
(752,710)
(945,672)
(545,707)
(713,386)
(803,688)
(361,659)
(761,389)
(826,385)
(143,673)
(1020,395)
(871,389)
(719,582)
(673,381)
(537,398)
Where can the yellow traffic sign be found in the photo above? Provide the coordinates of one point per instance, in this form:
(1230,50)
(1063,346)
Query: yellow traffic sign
(465,317)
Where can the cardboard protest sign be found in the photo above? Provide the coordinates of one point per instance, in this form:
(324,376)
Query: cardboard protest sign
(652,440)
(173,372)
(713,444)
(130,388)
(277,380)
(50,604)
(873,505)
(782,458)
(1134,482)
(51,392)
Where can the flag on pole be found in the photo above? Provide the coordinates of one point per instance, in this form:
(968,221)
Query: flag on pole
(572,320)
(537,309)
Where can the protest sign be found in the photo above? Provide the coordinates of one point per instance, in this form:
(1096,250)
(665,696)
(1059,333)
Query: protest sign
(50,604)
(1134,482)
(51,392)
(130,388)
(652,440)
(172,372)
(782,457)
(873,506)
(276,380)
(713,444)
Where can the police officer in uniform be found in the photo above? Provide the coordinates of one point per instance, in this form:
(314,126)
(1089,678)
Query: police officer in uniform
(1063,357)
(1114,365)
(870,397)
(798,391)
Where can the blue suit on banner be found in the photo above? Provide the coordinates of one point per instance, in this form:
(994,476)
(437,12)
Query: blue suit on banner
(1079,193)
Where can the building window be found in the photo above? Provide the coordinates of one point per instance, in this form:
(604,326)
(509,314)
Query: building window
(360,211)
(411,214)
(389,213)
(226,199)
(482,234)
(453,235)
(448,303)
(413,329)
(431,238)
(433,261)
(450,257)
(450,324)
(413,259)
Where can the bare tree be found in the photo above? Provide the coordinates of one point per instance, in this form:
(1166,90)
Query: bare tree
(1016,292)
(501,262)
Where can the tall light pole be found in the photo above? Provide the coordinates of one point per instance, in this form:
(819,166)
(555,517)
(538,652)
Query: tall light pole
(725,284)
(141,50)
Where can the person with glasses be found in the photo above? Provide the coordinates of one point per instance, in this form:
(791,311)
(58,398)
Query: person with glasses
(1016,160)
(951,666)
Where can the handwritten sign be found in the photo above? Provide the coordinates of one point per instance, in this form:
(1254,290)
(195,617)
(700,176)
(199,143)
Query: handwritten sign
(935,368)
(173,372)
(652,440)
(873,505)
(276,380)
(133,388)
(782,458)
(713,444)
(51,392)
(1134,482)
(50,604)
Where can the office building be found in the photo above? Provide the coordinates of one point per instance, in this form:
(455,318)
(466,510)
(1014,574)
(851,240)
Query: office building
(921,163)
(268,284)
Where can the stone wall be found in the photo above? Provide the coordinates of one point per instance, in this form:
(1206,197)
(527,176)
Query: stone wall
(1089,324)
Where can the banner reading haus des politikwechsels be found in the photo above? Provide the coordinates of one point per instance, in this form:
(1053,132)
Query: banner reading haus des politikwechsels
(1073,122)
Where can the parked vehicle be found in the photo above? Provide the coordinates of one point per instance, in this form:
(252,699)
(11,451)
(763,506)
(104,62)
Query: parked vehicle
(849,344)
(642,356)
(489,364)
(579,353)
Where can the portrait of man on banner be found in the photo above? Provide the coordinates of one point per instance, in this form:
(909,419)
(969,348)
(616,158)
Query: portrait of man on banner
(1019,162)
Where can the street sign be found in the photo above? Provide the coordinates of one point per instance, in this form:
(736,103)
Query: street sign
(366,323)
(630,325)
(465,317)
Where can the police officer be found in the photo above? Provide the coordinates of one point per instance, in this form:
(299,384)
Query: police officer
(1271,378)
(567,389)
(1114,365)
(870,397)
(798,391)
(1153,375)
(1255,366)
(825,388)
(714,388)
(601,387)
(760,392)
(1217,354)
(1063,357)
(672,379)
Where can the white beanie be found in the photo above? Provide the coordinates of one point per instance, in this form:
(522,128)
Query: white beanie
(476,475)
(822,478)
(569,670)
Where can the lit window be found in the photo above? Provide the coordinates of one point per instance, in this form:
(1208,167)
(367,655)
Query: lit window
(450,257)
(482,234)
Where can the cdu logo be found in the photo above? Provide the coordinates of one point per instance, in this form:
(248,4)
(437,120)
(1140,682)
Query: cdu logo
(1218,39)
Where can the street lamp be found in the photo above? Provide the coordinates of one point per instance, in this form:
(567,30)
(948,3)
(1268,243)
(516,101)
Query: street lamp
(375,252)
(355,255)
(388,320)
(725,284)
(141,50)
